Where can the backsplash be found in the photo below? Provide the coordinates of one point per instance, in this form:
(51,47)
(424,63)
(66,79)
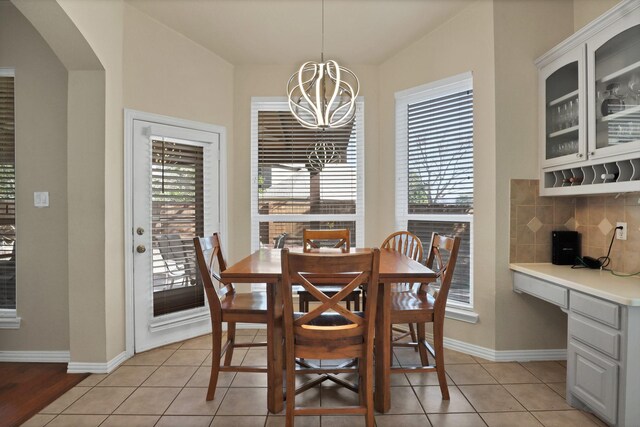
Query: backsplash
(594,217)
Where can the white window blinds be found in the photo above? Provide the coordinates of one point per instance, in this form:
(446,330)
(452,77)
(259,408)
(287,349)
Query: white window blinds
(303,178)
(434,168)
(7,192)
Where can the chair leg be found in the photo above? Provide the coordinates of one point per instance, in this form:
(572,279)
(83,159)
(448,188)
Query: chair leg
(301,301)
(438,347)
(231,337)
(412,332)
(421,348)
(367,390)
(291,386)
(216,335)
(356,303)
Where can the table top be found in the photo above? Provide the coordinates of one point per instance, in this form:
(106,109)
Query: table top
(599,283)
(264,266)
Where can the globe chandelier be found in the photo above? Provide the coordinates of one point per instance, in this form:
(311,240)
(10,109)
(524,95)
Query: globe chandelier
(323,94)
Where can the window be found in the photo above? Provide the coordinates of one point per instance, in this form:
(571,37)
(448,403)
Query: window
(303,178)
(434,169)
(7,195)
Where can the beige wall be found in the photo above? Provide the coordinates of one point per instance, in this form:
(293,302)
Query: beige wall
(465,43)
(41,134)
(520,322)
(585,11)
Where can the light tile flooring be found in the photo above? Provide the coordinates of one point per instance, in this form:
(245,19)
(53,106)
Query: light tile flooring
(167,387)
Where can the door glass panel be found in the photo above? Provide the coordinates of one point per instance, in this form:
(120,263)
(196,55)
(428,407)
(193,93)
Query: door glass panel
(177,217)
(562,112)
(617,80)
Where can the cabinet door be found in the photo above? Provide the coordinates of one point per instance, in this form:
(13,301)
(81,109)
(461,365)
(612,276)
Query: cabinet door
(594,380)
(613,61)
(562,110)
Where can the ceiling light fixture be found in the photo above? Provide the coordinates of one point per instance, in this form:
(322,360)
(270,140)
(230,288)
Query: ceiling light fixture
(323,95)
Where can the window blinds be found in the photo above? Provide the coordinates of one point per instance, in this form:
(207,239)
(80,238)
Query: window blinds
(304,171)
(7,194)
(440,154)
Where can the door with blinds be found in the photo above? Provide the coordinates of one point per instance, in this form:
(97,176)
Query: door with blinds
(175,198)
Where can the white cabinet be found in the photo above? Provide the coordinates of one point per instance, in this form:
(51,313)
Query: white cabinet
(589,107)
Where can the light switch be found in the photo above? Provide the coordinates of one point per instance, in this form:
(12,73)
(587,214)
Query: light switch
(41,199)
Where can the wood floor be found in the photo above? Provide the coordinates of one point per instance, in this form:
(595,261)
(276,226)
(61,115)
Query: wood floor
(26,388)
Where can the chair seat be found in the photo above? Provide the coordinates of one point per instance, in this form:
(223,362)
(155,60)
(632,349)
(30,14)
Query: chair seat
(411,307)
(250,302)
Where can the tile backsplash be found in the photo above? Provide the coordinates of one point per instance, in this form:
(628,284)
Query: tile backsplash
(534,217)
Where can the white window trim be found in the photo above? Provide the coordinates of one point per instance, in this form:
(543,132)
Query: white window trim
(460,82)
(280,104)
(9,316)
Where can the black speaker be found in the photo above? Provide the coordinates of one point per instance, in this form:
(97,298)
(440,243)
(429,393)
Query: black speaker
(565,247)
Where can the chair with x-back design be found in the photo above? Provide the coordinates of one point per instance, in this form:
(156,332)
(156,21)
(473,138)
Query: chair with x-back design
(330,331)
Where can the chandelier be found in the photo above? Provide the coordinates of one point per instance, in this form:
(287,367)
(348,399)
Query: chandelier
(322,94)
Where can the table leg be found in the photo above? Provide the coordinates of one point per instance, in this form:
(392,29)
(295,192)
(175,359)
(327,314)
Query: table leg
(274,348)
(383,350)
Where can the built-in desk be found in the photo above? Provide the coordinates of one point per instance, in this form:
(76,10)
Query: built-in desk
(603,349)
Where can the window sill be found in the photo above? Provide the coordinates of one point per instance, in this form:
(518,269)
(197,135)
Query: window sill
(462,315)
(9,319)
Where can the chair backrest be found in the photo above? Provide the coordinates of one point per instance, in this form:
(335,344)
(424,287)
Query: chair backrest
(311,237)
(443,253)
(406,243)
(210,264)
(279,241)
(329,330)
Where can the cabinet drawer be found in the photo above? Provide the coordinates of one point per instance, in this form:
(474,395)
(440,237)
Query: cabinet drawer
(601,311)
(595,335)
(539,288)
(594,380)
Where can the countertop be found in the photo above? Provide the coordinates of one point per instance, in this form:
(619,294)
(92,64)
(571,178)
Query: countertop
(599,283)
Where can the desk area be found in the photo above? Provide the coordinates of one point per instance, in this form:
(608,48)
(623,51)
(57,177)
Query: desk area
(603,349)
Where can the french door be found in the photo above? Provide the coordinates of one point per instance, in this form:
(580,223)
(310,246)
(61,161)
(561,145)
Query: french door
(175,198)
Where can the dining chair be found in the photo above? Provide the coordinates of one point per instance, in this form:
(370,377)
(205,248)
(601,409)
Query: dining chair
(330,331)
(409,245)
(427,304)
(338,239)
(226,305)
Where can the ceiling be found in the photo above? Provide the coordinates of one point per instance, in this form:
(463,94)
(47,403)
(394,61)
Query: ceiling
(289,31)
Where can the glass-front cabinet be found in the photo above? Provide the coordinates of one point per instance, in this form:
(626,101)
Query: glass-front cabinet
(562,85)
(614,63)
(589,106)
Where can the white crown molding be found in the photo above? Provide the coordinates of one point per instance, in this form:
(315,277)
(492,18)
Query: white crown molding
(96,368)
(35,356)
(588,31)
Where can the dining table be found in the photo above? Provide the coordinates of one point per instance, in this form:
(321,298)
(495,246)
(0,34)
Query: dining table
(264,266)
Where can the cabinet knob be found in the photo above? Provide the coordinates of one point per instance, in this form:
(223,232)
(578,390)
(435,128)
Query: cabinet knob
(592,153)
(579,155)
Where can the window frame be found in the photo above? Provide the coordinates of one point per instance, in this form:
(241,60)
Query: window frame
(403,99)
(280,104)
(9,316)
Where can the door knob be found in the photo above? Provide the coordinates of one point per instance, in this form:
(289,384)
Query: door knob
(140,231)
(141,249)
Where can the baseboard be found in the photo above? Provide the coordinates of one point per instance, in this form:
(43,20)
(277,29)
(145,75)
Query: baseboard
(504,355)
(35,356)
(96,368)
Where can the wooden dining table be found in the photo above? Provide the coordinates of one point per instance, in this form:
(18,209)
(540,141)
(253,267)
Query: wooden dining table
(264,266)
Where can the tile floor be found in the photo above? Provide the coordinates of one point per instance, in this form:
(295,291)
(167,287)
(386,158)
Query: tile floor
(167,387)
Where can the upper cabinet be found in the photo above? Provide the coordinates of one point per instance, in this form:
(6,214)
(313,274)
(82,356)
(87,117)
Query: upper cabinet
(589,108)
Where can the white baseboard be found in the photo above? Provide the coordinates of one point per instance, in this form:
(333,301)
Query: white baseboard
(35,356)
(504,355)
(96,368)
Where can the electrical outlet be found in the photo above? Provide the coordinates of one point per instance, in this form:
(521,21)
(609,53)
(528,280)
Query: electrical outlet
(621,234)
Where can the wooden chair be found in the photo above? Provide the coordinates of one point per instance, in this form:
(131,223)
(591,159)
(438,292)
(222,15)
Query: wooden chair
(226,305)
(339,239)
(410,245)
(330,331)
(422,306)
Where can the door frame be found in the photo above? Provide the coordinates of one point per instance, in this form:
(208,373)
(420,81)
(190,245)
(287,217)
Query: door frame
(129,117)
